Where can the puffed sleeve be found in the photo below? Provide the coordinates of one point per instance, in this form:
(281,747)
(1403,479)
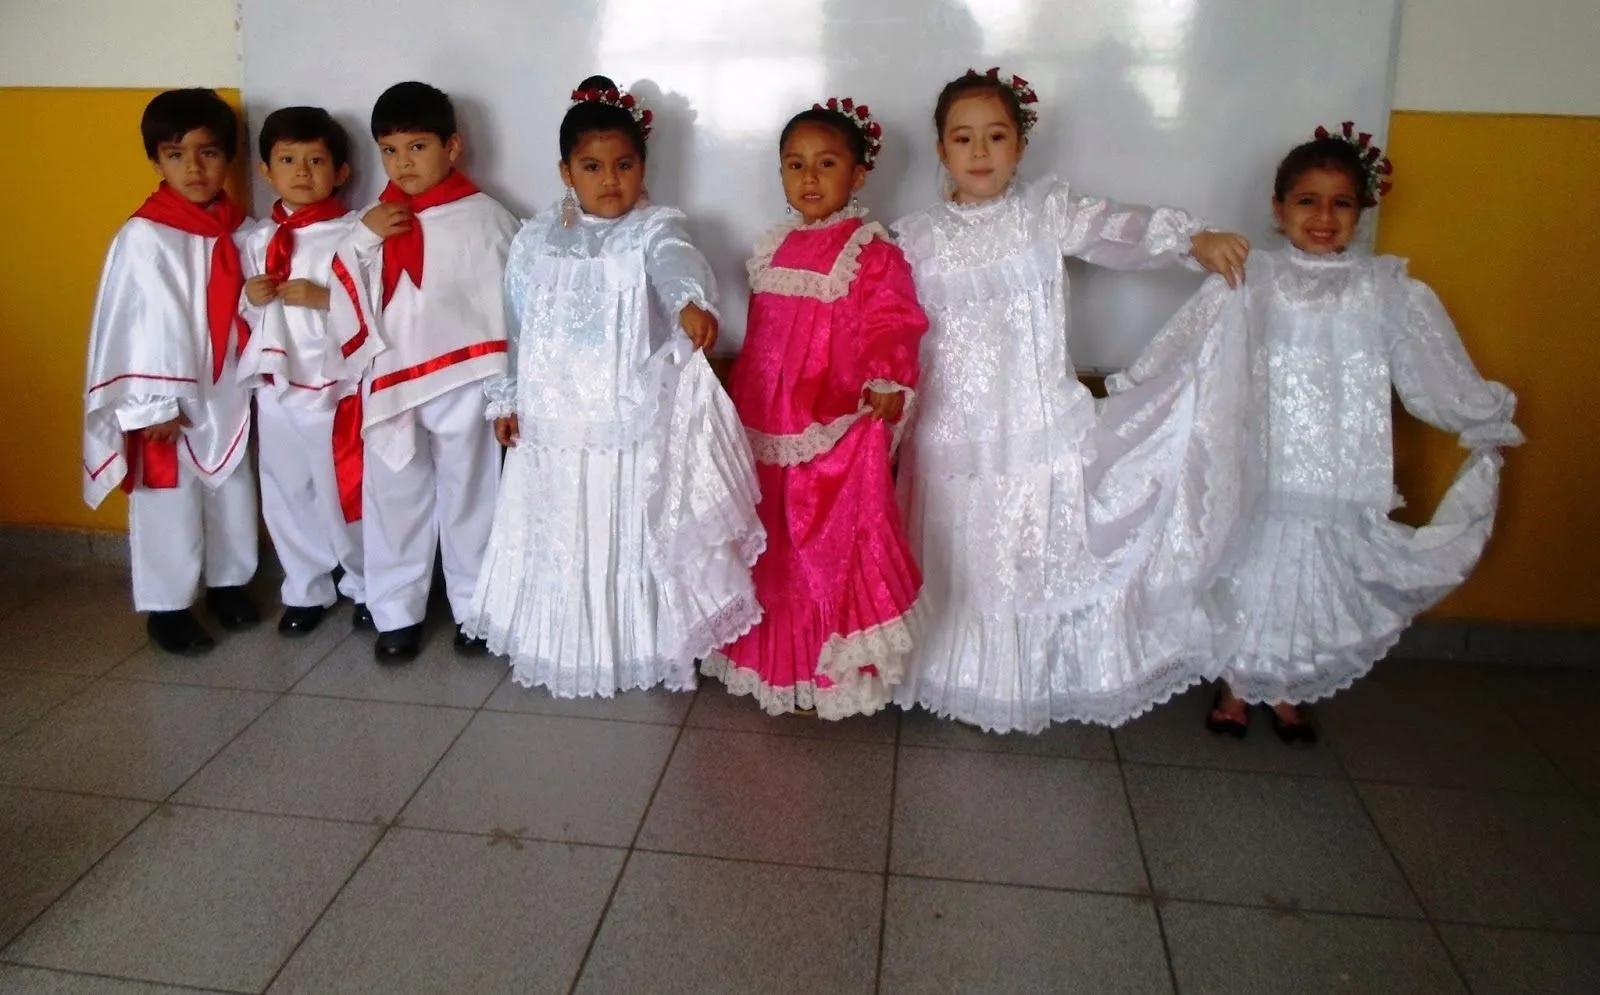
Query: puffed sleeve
(893,323)
(678,272)
(501,392)
(1432,372)
(1114,235)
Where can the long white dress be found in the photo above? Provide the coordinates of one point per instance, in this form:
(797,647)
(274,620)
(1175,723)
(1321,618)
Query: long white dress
(626,524)
(1320,582)
(1038,520)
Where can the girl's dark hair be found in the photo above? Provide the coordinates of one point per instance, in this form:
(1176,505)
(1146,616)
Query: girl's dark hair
(588,118)
(304,124)
(835,120)
(171,115)
(1323,153)
(966,86)
(414,107)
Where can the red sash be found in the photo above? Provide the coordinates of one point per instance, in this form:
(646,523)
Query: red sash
(402,252)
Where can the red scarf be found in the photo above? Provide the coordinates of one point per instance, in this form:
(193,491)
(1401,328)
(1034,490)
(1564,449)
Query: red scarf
(402,253)
(280,250)
(226,279)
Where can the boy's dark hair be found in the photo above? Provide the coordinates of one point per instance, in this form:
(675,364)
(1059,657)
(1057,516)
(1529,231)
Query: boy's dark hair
(836,120)
(415,107)
(304,124)
(590,117)
(1323,153)
(965,86)
(175,113)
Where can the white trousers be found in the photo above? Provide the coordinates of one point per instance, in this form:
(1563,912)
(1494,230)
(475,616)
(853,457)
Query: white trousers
(300,502)
(178,534)
(444,497)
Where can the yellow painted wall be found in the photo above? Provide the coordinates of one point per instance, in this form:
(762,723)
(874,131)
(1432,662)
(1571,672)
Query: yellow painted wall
(59,216)
(1500,215)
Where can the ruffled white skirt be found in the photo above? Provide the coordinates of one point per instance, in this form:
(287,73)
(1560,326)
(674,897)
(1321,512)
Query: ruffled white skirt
(616,568)
(1317,595)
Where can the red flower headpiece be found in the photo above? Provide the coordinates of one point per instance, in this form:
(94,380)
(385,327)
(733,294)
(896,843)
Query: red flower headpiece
(617,98)
(1373,160)
(859,116)
(1026,98)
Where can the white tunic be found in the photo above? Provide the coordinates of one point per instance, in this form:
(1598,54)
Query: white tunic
(150,360)
(626,525)
(1320,582)
(429,340)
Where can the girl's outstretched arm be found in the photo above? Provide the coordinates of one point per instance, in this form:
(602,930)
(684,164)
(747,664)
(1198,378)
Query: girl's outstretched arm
(681,278)
(1133,236)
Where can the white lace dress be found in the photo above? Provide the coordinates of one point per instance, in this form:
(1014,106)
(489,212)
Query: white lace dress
(1036,520)
(626,524)
(1320,582)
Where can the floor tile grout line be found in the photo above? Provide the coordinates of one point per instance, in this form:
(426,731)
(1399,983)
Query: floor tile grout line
(1427,913)
(130,980)
(1144,863)
(1538,747)
(90,681)
(888,853)
(377,841)
(627,858)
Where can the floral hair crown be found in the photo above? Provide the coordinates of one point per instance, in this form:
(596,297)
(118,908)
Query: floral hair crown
(1373,161)
(871,131)
(1023,90)
(617,98)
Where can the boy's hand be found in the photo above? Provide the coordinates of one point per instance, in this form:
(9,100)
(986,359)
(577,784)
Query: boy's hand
(260,290)
(700,325)
(388,219)
(505,431)
(887,406)
(304,293)
(167,431)
(1222,252)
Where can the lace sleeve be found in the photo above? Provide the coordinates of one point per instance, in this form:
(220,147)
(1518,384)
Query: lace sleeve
(501,392)
(678,272)
(1115,235)
(1433,374)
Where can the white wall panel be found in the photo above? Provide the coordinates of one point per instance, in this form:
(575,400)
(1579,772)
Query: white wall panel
(118,43)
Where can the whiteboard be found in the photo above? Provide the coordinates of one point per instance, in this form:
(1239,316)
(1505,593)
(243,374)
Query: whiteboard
(1182,102)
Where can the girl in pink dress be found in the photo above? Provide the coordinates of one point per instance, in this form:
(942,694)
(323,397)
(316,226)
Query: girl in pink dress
(828,370)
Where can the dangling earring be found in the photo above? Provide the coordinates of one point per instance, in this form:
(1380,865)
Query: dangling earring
(947,184)
(855,202)
(569,208)
(788,209)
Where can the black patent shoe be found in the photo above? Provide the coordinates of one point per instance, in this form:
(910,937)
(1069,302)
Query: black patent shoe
(179,633)
(232,607)
(1299,731)
(1223,724)
(398,645)
(468,646)
(301,621)
(361,618)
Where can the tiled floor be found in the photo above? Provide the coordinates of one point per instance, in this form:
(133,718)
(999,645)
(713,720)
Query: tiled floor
(286,816)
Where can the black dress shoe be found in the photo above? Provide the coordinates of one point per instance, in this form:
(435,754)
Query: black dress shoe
(178,632)
(301,621)
(362,618)
(467,646)
(232,606)
(398,645)
(1222,724)
(1299,731)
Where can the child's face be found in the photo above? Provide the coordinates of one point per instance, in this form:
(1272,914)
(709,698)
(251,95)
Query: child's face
(303,173)
(981,147)
(417,161)
(1319,212)
(195,166)
(820,173)
(606,173)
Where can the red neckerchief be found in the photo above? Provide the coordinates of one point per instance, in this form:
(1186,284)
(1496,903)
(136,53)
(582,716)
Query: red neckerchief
(402,252)
(280,250)
(226,279)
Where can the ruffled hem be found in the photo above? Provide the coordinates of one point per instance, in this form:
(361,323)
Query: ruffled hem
(865,694)
(883,647)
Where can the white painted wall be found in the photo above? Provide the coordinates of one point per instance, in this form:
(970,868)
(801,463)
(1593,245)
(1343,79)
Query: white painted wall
(1509,56)
(119,43)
